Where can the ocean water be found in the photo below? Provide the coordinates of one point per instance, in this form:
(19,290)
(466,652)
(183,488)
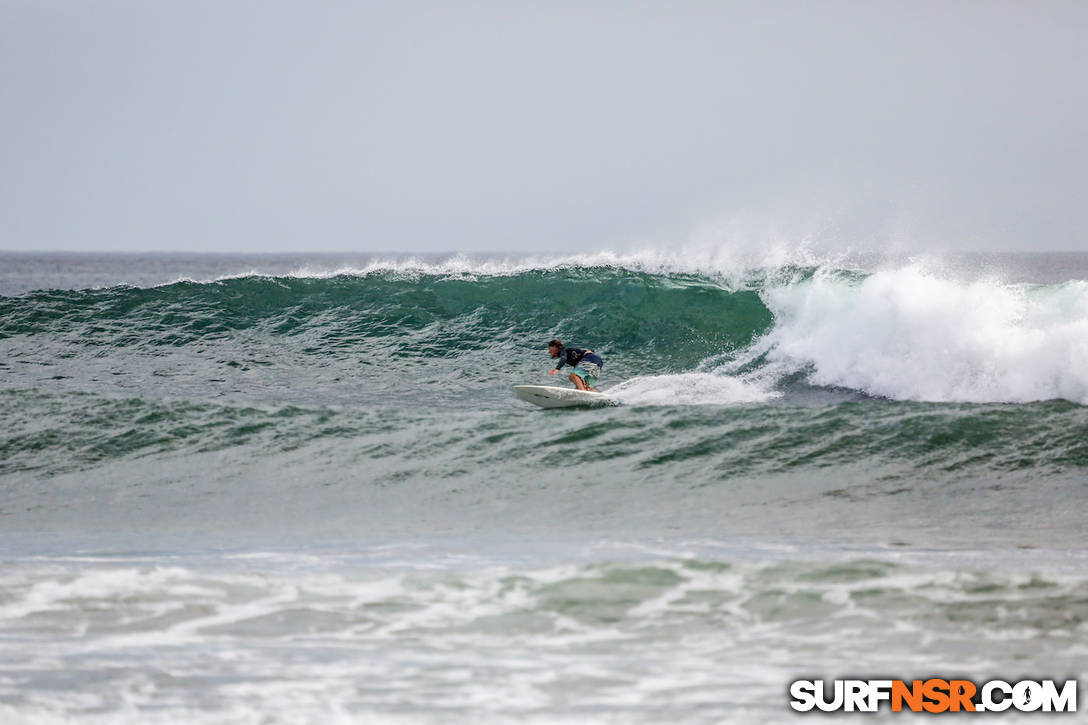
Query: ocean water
(298,489)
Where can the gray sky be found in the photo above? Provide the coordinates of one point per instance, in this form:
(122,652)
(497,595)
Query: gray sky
(445,126)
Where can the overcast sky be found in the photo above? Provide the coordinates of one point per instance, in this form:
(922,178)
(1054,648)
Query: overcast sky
(546,126)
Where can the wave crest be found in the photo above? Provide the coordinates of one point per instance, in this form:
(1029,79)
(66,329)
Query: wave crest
(908,334)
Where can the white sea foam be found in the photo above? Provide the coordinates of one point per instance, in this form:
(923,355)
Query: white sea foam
(911,334)
(505,643)
(731,262)
(260,639)
(691,389)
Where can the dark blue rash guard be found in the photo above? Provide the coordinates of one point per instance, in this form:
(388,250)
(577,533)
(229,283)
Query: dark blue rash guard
(574,355)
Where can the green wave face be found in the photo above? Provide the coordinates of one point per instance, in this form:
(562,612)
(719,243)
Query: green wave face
(409,374)
(670,322)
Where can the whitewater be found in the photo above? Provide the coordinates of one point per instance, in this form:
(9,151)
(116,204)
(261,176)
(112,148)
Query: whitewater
(298,488)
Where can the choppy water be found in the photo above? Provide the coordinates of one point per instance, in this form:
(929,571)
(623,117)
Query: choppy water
(297,489)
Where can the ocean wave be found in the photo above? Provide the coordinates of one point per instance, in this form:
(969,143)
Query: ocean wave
(903,332)
(750,430)
(908,334)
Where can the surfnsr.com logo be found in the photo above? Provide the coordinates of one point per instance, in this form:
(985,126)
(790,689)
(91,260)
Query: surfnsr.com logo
(933,695)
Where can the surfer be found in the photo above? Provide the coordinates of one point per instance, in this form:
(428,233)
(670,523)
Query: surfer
(587,364)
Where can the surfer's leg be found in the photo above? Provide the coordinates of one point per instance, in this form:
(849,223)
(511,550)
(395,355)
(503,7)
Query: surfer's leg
(578,382)
(588,372)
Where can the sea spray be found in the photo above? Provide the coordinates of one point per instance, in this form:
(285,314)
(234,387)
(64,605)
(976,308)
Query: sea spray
(908,334)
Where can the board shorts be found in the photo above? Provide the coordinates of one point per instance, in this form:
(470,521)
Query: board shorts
(586,370)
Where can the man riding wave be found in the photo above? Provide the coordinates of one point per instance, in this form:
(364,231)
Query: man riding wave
(587,364)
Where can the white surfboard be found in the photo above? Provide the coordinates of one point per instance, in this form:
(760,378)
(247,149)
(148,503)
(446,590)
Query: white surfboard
(550,396)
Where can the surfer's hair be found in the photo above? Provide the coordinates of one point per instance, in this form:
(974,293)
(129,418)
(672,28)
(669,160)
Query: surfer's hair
(556,344)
